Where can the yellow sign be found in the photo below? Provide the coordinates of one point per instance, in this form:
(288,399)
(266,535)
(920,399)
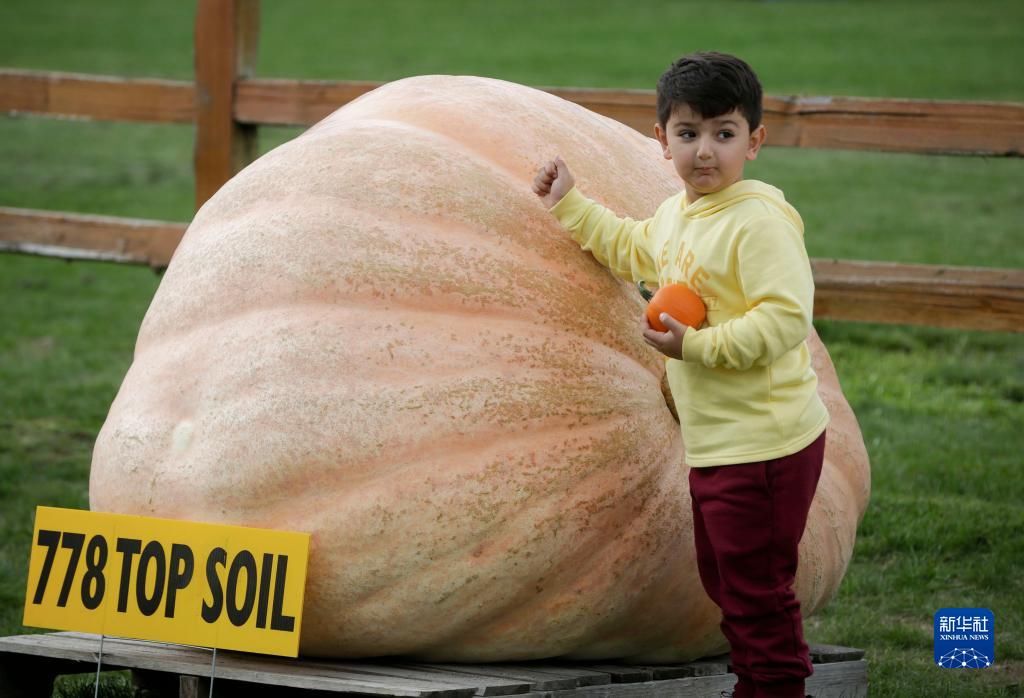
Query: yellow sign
(174,581)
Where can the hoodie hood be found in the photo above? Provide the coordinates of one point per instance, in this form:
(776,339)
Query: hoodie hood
(744,190)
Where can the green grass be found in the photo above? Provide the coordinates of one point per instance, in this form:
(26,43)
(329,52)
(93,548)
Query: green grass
(908,48)
(83,686)
(941,410)
(941,413)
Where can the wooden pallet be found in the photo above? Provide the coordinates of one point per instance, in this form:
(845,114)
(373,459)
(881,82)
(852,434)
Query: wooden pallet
(29,664)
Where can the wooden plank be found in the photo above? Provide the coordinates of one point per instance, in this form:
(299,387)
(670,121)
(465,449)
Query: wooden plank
(101,97)
(82,236)
(377,679)
(234,666)
(834,680)
(414,673)
(487,684)
(898,125)
(839,680)
(916,294)
(847,678)
(917,126)
(335,677)
(226,36)
(711,666)
(848,123)
(537,679)
(827,654)
(670,688)
(585,675)
(624,673)
(284,102)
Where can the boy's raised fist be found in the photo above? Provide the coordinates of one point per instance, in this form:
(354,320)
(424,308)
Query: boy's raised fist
(553,181)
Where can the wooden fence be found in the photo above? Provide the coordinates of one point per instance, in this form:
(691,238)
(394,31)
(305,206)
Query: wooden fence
(227,104)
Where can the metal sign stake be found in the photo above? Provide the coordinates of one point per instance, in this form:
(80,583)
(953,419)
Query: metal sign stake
(99,663)
(213,670)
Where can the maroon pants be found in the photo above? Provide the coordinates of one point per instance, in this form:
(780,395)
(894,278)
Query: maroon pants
(747,522)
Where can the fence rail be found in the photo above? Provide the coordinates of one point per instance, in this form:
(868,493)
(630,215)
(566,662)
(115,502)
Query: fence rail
(837,123)
(84,236)
(227,104)
(908,126)
(915,294)
(920,294)
(100,97)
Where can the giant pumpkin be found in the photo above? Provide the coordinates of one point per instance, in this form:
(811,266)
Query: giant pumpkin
(375,333)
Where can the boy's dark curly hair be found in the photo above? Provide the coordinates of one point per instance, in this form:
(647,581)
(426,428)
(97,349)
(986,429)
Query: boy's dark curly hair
(711,84)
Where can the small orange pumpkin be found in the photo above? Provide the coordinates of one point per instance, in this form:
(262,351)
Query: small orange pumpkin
(679,302)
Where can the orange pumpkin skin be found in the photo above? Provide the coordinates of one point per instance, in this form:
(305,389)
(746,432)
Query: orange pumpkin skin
(375,333)
(679,302)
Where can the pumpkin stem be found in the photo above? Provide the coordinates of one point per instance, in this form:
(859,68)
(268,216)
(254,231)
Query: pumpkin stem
(644,291)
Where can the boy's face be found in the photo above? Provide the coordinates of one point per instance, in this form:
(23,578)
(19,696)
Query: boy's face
(708,154)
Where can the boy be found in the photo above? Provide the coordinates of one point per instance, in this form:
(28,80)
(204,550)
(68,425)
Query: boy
(743,385)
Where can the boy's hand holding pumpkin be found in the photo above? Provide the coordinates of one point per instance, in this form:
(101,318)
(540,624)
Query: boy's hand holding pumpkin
(553,181)
(669,343)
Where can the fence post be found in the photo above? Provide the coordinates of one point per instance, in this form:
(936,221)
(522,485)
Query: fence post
(226,38)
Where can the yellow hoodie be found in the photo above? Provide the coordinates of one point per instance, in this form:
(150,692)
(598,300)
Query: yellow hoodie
(745,390)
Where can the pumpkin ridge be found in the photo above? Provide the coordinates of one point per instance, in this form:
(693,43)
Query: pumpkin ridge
(339,291)
(522,179)
(489,369)
(476,624)
(396,457)
(225,326)
(268,492)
